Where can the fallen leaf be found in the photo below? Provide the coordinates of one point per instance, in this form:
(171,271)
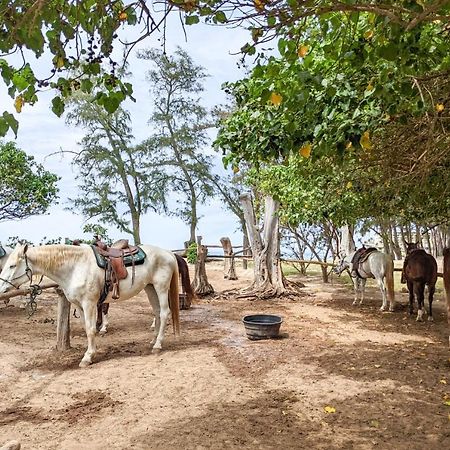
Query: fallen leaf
(349,186)
(329,409)
(377,366)
(440,107)
(374,423)
(446,402)
(443,381)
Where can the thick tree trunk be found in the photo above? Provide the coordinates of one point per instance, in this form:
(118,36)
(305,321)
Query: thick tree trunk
(268,277)
(245,245)
(229,271)
(347,244)
(62,322)
(200,285)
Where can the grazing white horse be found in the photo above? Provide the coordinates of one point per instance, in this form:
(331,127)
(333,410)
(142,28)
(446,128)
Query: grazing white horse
(378,265)
(77,274)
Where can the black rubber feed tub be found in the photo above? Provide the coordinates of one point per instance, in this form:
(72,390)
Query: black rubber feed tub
(262,326)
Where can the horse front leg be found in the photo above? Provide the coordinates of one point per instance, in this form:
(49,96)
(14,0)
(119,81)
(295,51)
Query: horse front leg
(355,289)
(362,287)
(90,317)
(102,319)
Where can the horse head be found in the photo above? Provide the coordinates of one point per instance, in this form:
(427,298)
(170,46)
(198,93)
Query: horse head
(343,264)
(16,270)
(410,246)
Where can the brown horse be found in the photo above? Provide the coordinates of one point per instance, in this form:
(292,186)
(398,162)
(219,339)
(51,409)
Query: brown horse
(183,270)
(446,276)
(419,269)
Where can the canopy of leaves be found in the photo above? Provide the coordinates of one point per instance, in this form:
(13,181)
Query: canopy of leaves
(339,81)
(26,188)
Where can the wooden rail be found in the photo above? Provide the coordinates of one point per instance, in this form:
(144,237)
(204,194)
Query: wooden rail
(24,291)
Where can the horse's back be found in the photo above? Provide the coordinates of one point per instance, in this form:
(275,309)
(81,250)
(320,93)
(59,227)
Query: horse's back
(421,266)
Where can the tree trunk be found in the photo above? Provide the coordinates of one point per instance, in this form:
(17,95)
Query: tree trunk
(229,271)
(347,244)
(63,322)
(268,277)
(245,245)
(200,285)
(396,244)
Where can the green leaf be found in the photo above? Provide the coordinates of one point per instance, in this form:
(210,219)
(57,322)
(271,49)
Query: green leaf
(58,106)
(191,20)
(11,121)
(4,127)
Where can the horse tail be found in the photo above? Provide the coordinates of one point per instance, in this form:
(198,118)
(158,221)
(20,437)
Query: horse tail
(183,269)
(446,277)
(390,280)
(174,302)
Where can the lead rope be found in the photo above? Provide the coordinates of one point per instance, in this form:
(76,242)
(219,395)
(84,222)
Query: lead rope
(35,290)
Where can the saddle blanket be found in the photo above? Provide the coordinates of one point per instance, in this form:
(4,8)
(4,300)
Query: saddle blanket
(129,260)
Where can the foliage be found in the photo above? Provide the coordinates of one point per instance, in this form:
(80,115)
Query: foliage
(79,37)
(191,253)
(340,79)
(97,230)
(117,182)
(180,123)
(26,188)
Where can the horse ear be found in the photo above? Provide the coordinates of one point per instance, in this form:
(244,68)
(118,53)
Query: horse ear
(25,248)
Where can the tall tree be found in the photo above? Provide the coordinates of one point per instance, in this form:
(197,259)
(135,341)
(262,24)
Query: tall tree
(181,123)
(118,182)
(26,188)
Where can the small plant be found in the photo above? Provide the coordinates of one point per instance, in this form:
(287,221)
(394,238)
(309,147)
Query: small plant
(191,253)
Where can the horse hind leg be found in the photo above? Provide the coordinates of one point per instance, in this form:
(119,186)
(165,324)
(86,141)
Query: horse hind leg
(355,289)
(153,299)
(164,311)
(381,285)
(411,297)
(419,292)
(431,290)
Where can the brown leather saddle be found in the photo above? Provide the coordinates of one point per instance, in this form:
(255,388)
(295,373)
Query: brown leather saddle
(115,269)
(360,257)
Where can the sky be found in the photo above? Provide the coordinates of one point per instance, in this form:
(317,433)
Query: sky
(44,135)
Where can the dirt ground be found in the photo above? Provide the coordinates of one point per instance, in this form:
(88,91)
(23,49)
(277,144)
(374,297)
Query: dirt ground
(385,376)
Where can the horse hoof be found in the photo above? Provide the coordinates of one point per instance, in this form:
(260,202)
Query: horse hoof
(155,351)
(430,319)
(84,364)
(419,319)
(102,332)
(383,309)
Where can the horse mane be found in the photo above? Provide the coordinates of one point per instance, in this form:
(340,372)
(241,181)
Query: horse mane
(49,257)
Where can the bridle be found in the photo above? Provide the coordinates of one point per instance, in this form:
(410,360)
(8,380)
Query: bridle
(35,289)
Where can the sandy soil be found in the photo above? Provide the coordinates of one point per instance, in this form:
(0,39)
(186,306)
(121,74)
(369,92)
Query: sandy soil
(384,374)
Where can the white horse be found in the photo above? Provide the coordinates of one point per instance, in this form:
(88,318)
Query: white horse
(77,274)
(378,265)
